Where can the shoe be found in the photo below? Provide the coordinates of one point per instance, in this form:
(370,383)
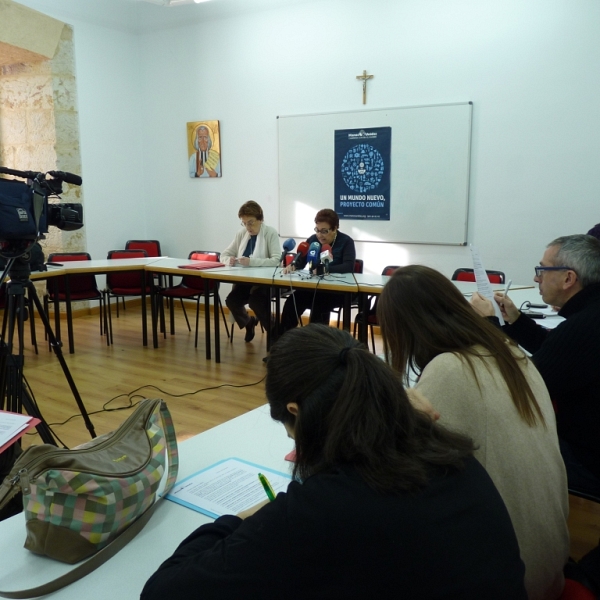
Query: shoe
(250,329)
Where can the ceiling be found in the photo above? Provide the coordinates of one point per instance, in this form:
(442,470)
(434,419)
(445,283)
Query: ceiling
(150,15)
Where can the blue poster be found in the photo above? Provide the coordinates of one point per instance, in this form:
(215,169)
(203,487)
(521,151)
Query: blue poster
(362,173)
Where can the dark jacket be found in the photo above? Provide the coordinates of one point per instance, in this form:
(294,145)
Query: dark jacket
(334,537)
(568,359)
(344,254)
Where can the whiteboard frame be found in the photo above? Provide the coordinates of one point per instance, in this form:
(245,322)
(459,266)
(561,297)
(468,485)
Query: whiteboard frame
(430,172)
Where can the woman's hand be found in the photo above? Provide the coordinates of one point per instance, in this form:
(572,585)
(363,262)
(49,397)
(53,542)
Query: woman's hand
(250,511)
(288,269)
(244,261)
(231,261)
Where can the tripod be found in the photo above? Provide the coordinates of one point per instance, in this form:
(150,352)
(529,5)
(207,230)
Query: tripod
(11,365)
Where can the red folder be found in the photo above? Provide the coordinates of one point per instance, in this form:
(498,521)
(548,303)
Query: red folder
(202,264)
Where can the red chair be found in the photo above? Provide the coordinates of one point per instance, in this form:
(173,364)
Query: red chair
(193,288)
(152,247)
(574,590)
(469,275)
(372,321)
(74,288)
(128,284)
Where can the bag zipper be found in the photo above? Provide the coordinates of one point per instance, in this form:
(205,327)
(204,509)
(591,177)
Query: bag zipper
(22,476)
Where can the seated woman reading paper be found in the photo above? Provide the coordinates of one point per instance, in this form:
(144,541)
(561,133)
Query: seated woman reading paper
(483,386)
(385,503)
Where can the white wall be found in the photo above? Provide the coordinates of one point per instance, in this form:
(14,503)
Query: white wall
(530,68)
(111,122)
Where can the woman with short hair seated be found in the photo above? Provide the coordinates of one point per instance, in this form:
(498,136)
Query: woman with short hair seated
(385,503)
(485,387)
(321,303)
(255,245)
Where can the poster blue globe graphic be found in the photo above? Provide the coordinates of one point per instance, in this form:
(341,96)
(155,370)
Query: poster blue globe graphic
(362,168)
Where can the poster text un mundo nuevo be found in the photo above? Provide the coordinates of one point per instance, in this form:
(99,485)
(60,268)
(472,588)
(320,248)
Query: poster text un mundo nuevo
(362,173)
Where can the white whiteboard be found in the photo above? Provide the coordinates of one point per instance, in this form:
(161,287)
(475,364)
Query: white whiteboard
(430,160)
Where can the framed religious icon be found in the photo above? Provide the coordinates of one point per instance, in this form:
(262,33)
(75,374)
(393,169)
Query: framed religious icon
(204,149)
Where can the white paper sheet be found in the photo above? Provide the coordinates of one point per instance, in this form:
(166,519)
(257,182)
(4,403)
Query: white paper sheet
(484,287)
(226,488)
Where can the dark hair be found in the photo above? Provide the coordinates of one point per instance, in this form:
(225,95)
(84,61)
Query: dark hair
(328,216)
(354,411)
(595,231)
(251,209)
(422,314)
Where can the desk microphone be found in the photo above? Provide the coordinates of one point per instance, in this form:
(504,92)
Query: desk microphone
(313,256)
(301,252)
(326,256)
(288,246)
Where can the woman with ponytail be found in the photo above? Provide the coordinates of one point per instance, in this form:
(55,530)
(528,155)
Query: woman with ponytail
(384,502)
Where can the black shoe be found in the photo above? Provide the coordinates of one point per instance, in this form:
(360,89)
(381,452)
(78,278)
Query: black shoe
(250,329)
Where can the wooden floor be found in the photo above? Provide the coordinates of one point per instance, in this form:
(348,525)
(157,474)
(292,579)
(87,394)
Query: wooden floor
(179,373)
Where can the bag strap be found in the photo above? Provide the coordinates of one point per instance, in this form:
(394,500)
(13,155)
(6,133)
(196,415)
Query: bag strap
(124,537)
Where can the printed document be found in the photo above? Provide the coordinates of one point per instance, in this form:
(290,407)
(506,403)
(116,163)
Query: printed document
(226,488)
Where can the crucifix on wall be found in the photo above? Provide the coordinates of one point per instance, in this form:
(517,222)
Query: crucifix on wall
(364,77)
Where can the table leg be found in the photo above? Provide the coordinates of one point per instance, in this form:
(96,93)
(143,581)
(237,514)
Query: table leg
(207,316)
(217,324)
(144,317)
(347,310)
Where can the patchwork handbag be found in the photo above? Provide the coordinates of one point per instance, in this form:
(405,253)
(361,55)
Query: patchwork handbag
(91,500)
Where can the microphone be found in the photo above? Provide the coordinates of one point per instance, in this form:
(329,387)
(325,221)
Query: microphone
(288,246)
(313,255)
(300,254)
(326,256)
(66,177)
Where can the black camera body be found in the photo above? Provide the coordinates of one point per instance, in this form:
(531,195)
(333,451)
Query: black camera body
(26,214)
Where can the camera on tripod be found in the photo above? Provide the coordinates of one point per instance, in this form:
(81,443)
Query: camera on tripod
(26,214)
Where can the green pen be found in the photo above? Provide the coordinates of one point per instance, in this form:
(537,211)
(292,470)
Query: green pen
(267,486)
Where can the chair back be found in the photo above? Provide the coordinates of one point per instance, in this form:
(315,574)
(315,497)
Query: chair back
(197,283)
(469,275)
(574,590)
(79,285)
(389,270)
(359,265)
(152,247)
(127,282)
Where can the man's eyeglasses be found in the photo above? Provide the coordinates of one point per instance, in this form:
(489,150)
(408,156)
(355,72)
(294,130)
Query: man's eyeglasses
(539,271)
(322,231)
(250,223)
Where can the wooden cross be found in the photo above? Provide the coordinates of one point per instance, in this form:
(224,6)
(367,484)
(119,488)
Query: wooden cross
(364,78)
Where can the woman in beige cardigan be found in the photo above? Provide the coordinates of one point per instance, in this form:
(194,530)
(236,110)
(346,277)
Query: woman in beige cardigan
(482,385)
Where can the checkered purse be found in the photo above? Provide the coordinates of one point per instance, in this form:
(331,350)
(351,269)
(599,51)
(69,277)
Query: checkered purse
(93,499)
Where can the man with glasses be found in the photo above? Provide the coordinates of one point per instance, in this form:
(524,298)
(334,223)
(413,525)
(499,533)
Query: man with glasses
(567,357)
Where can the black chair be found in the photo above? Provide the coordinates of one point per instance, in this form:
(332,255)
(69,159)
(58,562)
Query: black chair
(193,288)
(372,321)
(74,288)
(469,275)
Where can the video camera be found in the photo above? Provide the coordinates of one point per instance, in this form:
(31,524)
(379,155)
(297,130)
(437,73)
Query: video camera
(26,214)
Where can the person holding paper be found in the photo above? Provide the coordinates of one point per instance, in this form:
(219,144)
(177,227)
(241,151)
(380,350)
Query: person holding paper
(568,357)
(255,245)
(483,386)
(385,502)
(327,223)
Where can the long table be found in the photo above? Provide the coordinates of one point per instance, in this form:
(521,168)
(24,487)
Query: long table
(268,276)
(93,267)
(254,437)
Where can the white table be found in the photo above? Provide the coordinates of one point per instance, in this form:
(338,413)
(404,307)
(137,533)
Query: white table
(254,437)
